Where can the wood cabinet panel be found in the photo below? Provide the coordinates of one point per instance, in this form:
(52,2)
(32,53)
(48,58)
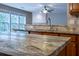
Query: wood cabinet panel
(71,49)
(77,48)
(74,8)
(78,45)
(77,38)
(51,34)
(45,33)
(63,52)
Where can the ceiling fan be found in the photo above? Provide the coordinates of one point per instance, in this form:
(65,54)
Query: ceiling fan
(46,9)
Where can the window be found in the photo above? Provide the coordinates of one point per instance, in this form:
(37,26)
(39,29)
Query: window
(17,22)
(22,22)
(14,21)
(8,22)
(4,23)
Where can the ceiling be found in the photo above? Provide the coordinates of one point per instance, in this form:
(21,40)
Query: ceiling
(32,7)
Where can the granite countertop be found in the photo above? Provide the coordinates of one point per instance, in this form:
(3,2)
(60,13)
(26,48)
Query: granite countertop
(53,28)
(40,30)
(47,28)
(38,45)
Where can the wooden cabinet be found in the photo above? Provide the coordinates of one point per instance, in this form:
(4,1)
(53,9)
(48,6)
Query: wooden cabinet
(74,8)
(78,45)
(70,48)
(51,34)
(45,33)
(78,49)
(63,52)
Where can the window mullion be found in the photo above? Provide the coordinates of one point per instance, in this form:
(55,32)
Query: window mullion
(18,22)
(10,24)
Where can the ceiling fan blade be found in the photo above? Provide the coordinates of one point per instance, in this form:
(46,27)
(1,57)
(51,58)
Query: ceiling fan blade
(50,10)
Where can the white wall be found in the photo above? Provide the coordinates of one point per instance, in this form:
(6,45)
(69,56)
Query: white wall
(38,18)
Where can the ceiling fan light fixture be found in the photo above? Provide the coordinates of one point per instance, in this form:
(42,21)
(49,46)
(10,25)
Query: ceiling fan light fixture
(45,11)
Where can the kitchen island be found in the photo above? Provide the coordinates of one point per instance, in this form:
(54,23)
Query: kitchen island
(72,49)
(55,30)
(38,45)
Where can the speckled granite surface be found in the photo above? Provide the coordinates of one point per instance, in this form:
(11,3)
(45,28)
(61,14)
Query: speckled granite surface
(37,45)
(39,30)
(53,29)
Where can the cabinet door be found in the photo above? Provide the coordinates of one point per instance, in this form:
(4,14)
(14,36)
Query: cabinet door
(78,45)
(74,8)
(62,53)
(71,49)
